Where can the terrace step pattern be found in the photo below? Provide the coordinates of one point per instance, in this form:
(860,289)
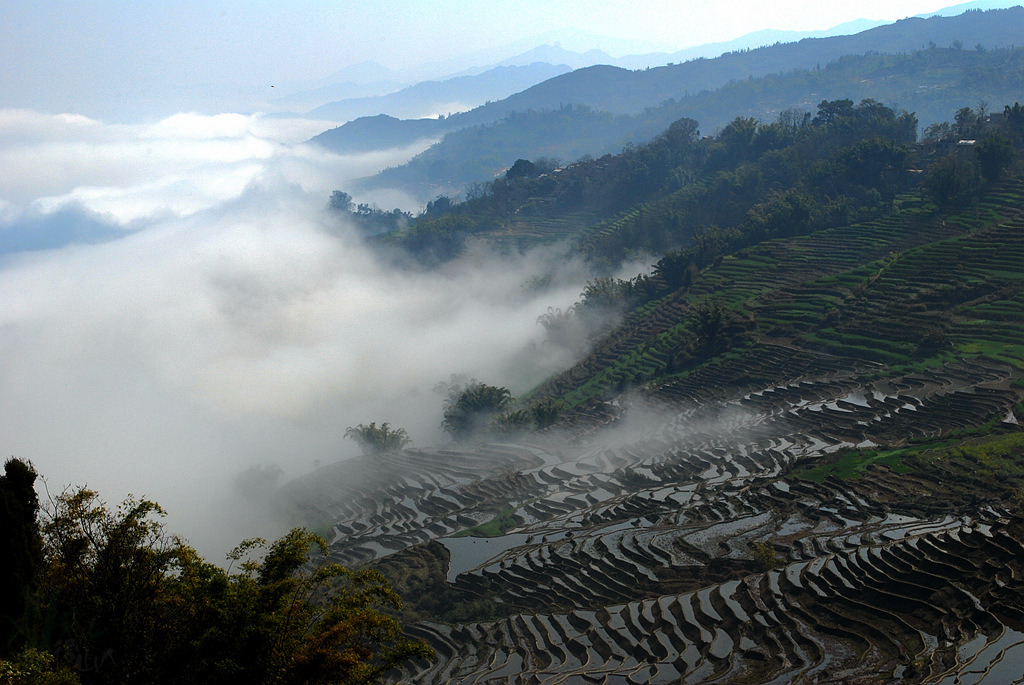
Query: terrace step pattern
(933,605)
(668,502)
(618,523)
(965,285)
(635,550)
(884,270)
(377,505)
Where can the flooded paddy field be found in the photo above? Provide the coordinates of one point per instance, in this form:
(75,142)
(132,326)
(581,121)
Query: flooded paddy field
(717,540)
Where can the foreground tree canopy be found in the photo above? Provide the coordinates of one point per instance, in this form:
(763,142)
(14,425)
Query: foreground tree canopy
(107,596)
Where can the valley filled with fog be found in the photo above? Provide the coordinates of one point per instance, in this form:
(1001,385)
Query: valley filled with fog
(180,307)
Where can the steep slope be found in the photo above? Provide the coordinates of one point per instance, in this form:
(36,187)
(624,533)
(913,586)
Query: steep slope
(798,458)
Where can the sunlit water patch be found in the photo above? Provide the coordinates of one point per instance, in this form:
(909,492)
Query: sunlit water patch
(469,553)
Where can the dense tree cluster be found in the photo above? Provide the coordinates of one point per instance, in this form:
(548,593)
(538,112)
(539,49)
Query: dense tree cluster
(95,595)
(755,176)
(473,409)
(663,195)
(368,219)
(977,147)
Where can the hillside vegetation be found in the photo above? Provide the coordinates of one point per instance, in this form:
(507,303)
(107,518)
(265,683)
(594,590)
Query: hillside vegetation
(796,456)
(98,595)
(806,231)
(932,83)
(663,194)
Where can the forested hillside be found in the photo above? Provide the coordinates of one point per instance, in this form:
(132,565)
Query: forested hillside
(662,194)
(931,83)
(692,204)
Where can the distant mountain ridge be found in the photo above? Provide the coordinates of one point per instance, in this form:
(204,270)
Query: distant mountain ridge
(579,49)
(933,83)
(954,10)
(430,98)
(621,91)
(749,41)
(370,79)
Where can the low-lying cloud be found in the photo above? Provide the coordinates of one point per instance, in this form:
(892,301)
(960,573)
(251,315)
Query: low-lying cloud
(178,306)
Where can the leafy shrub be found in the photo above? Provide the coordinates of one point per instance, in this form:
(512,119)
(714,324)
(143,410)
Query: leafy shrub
(378,439)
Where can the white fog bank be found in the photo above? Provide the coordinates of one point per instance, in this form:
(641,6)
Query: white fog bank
(177,306)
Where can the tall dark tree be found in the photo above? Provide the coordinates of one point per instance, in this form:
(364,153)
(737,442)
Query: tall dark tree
(994,153)
(966,122)
(523,168)
(1015,121)
(20,551)
(951,180)
(341,202)
(439,205)
(735,143)
(830,111)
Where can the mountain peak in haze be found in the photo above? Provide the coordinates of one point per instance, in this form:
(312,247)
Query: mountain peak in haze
(362,73)
(556,54)
(576,41)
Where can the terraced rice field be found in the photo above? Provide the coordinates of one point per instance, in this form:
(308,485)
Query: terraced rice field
(836,498)
(635,557)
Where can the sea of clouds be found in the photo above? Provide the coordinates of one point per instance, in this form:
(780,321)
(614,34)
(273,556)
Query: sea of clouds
(177,306)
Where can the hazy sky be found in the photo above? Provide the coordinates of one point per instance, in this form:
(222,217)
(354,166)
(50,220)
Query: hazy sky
(70,55)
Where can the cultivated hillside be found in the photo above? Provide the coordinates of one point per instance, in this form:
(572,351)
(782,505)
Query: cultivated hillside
(796,458)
